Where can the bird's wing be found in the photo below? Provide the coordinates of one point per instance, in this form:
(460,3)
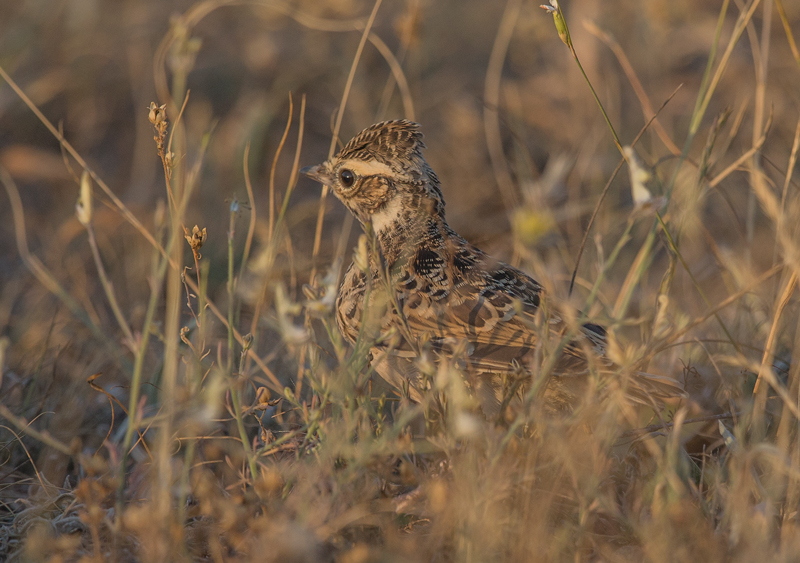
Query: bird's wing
(493,307)
(464,295)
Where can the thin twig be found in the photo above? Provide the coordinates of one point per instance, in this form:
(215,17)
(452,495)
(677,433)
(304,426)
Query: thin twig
(738,162)
(38,269)
(766,361)
(126,213)
(674,247)
(788,29)
(338,125)
(44,436)
(779,226)
(644,100)
(397,75)
(721,305)
(491,95)
(705,98)
(608,185)
(274,166)
(657,427)
(108,286)
(129,216)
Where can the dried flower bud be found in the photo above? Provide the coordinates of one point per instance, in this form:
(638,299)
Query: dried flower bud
(196,238)
(247,341)
(263,396)
(158,114)
(83,209)
(558,19)
(643,200)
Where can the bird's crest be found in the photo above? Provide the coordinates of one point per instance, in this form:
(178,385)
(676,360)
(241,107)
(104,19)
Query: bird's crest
(389,142)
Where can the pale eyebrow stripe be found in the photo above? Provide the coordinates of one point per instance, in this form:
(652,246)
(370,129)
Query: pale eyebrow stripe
(367,168)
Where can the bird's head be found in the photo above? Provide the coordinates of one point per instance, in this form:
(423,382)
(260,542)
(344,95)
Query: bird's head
(381,175)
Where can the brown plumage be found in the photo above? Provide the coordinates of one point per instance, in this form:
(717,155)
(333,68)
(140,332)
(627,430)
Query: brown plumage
(445,293)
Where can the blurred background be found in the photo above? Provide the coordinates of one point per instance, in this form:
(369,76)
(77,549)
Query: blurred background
(483,78)
(511,127)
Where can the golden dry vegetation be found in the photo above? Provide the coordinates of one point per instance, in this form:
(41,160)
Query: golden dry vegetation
(176,394)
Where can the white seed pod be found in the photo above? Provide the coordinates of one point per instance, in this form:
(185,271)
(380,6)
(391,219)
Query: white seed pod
(83,208)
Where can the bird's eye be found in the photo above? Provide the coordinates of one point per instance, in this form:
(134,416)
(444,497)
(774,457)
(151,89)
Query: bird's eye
(347,177)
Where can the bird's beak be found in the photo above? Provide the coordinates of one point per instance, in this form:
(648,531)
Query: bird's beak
(318,173)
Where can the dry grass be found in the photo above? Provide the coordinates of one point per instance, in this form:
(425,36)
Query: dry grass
(172,394)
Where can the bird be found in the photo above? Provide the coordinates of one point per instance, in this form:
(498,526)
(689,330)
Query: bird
(445,297)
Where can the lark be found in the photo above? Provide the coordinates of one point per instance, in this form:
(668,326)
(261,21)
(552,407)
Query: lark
(448,298)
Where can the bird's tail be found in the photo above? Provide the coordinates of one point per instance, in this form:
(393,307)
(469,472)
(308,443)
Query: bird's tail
(648,388)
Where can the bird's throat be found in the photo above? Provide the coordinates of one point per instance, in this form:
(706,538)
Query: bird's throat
(401,225)
(389,217)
